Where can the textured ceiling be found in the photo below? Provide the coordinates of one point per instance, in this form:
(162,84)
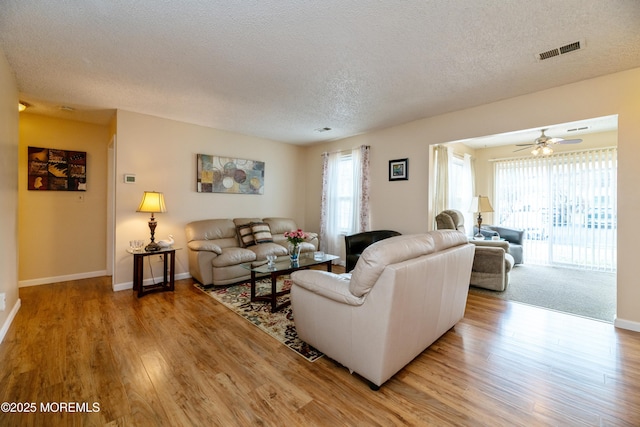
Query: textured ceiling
(281,69)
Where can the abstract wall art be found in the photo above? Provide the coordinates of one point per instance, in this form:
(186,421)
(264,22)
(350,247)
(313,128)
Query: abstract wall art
(228,175)
(58,170)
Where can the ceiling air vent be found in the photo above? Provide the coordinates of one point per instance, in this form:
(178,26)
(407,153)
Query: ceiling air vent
(569,47)
(548,54)
(562,50)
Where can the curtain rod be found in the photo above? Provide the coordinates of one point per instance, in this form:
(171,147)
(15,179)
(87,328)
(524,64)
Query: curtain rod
(344,151)
(554,154)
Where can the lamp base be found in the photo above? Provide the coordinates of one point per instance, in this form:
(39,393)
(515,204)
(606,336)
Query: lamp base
(479,235)
(152,247)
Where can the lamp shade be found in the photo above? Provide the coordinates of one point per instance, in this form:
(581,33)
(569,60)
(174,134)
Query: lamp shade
(152,202)
(480,204)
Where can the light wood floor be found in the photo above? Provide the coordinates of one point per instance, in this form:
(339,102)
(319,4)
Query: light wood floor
(181,359)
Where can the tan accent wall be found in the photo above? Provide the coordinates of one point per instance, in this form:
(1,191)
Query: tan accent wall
(62,234)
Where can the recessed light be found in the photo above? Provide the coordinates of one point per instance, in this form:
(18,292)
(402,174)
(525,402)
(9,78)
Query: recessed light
(67,108)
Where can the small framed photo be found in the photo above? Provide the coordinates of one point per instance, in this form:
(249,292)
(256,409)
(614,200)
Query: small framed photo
(399,170)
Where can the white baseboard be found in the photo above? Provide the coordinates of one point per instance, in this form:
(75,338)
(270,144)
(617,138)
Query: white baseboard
(47,280)
(626,324)
(7,323)
(129,285)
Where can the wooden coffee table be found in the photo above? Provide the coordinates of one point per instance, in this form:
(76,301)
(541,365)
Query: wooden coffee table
(280,268)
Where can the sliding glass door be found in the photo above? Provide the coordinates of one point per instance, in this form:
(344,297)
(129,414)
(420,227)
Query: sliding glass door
(566,203)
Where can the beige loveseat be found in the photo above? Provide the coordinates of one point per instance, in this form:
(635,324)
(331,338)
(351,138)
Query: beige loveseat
(404,293)
(217,248)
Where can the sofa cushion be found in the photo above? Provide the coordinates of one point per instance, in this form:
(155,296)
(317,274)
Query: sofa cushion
(376,257)
(261,232)
(233,256)
(210,229)
(264,249)
(245,235)
(280,225)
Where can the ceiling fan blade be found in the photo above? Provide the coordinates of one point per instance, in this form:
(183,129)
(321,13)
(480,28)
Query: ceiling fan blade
(525,145)
(525,148)
(569,141)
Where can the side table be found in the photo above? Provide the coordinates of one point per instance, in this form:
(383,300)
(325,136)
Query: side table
(168,282)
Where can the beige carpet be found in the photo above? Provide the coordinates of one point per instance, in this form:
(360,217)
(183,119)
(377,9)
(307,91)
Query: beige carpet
(584,293)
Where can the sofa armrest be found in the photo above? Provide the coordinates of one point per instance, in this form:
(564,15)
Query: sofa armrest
(511,235)
(492,244)
(488,259)
(204,245)
(328,285)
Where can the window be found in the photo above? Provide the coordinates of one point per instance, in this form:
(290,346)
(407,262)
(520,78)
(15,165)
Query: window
(345,198)
(566,203)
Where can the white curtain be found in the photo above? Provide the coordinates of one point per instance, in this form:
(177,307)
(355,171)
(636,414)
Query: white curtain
(441,193)
(345,198)
(567,205)
(467,191)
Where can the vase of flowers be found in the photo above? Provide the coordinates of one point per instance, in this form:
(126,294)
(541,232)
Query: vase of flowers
(295,237)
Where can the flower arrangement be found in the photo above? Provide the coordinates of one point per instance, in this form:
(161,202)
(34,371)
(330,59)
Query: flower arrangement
(295,237)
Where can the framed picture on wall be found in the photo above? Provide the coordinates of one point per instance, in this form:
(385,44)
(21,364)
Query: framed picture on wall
(228,175)
(56,170)
(399,170)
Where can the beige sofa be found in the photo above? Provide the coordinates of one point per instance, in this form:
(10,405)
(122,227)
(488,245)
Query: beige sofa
(404,293)
(217,248)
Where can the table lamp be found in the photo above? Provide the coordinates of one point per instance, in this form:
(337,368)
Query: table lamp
(152,202)
(480,204)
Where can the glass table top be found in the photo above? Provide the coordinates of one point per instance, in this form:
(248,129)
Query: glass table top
(282,264)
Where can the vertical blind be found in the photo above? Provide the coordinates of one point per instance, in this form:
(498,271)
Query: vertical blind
(566,203)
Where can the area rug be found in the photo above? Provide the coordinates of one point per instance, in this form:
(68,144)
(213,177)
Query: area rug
(580,292)
(279,325)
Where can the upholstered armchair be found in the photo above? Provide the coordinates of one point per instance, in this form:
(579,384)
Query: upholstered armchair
(492,264)
(355,244)
(514,236)
(405,292)
(492,261)
(450,219)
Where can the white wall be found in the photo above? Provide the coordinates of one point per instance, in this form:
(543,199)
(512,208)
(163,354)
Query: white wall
(8,194)
(404,205)
(162,155)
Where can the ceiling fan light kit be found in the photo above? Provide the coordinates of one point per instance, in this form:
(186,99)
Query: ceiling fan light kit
(543,149)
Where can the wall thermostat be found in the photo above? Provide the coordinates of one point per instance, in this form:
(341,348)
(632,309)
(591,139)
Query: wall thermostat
(129,179)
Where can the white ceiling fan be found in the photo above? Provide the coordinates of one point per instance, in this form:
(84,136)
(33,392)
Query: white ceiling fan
(542,145)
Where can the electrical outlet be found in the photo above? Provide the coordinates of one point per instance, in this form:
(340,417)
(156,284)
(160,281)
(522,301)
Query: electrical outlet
(3,301)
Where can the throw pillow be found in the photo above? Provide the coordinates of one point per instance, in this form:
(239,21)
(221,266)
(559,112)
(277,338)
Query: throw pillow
(245,234)
(261,232)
